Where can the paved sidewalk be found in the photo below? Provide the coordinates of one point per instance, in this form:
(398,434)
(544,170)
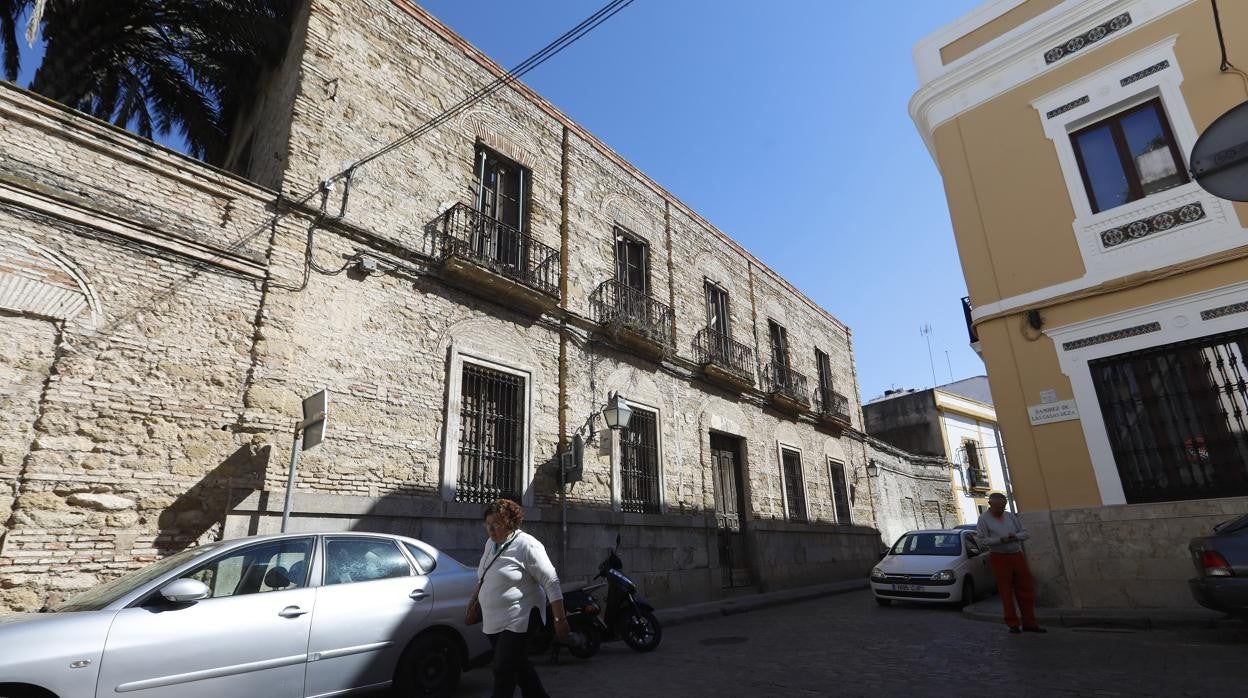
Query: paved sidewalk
(753,602)
(1141,618)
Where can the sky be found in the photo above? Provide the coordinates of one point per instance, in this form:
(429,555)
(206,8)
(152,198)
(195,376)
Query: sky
(785,125)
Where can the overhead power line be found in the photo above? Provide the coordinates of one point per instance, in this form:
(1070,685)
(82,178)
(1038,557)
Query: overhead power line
(546,53)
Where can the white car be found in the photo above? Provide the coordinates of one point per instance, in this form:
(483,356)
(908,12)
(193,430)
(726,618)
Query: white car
(934,566)
(283,616)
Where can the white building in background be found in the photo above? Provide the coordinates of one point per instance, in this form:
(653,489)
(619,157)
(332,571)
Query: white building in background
(957,422)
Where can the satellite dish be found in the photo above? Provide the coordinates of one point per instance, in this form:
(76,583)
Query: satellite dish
(1220,157)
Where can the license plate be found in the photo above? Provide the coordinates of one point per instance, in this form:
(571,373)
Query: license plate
(907,587)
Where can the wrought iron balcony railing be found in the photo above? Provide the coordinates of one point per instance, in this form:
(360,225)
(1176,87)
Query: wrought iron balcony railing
(471,235)
(970,326)
(712,347)
(614,303)
(779,378)
(832,404)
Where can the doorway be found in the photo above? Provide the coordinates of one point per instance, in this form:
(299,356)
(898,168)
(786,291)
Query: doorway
(728,474)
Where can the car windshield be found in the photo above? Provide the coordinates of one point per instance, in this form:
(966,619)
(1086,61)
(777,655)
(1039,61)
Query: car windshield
(108,592)
(946,544)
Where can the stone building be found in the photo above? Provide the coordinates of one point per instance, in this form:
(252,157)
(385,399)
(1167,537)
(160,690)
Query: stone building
(469,300)
(956,422)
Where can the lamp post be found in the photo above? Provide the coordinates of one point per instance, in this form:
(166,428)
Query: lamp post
(617,414)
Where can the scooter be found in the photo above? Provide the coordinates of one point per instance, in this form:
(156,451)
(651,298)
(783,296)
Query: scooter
(585,638)
(627,616)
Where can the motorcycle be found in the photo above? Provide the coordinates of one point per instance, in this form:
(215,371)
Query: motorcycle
(585,637)
(627,615)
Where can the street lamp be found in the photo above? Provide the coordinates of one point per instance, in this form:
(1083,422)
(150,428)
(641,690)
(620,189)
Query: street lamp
(617,412)
(873,468)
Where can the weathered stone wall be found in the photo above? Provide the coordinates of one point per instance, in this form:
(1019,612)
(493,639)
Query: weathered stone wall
(128,283)
(191,327)
(910,492)
(1126,556)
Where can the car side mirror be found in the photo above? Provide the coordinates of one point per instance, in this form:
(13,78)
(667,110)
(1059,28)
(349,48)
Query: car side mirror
(185,590)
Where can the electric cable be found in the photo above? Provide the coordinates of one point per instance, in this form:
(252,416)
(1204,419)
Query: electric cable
(546,53)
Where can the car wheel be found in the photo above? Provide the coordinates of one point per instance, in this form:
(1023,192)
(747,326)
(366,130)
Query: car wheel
(429,668)
(883,602)
(968,591)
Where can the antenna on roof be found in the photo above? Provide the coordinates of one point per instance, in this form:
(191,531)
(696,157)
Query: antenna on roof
(926,331)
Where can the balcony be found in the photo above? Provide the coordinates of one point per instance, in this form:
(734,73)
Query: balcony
(724,361)
(633,319)
(970,327)
(832,408)
(787,387)
(495,261)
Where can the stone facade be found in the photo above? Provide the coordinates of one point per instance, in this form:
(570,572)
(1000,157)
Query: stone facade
(170,317)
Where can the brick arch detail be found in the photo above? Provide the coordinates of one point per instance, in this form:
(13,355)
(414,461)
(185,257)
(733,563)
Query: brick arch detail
(37,280)
(502,133)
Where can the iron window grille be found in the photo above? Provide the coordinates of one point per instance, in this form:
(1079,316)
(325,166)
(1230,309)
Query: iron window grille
(840,493)
(1175,417)
(619,304)
(779,378)
(712,347)
(976,474)
(491,435)
(639,464)
(469,234)
(1128,156)
(794,488)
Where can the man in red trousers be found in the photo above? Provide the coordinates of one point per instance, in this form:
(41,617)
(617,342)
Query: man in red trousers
(1003,534)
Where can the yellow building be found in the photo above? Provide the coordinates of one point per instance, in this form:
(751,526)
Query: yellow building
(1109,292)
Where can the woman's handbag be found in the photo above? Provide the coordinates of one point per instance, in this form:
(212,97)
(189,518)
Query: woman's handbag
(472,614)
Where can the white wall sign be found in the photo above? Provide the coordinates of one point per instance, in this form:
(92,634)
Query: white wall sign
(1063,411)
(1048,397)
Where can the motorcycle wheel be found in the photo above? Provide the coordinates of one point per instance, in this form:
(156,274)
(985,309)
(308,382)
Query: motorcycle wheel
(643,632)
(593,642)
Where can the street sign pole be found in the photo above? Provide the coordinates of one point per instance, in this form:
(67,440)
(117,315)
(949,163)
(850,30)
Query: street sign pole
(309,433)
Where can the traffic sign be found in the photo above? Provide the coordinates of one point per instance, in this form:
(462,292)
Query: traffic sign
(1220,157)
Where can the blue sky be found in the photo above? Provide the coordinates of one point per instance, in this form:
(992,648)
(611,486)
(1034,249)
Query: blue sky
(785,125)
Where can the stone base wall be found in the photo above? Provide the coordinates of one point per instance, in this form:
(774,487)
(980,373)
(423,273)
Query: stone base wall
(1129,556)
(794,555)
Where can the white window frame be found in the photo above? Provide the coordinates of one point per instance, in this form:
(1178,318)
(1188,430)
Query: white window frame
(781,447)
(1099,95)
(617,458)
(848,517)
(454,404)
(1179,320)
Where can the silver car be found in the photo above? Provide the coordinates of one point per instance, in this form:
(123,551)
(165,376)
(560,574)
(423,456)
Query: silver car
(280,616)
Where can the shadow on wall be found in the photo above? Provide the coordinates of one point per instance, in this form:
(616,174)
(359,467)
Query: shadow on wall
(197,515)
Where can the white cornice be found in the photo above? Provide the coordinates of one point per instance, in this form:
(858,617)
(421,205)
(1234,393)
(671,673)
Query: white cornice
(1013,58)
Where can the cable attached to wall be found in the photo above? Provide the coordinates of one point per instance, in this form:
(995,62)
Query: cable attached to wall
(1226,66)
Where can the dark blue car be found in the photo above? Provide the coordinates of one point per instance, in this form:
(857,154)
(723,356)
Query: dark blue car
(1222,568)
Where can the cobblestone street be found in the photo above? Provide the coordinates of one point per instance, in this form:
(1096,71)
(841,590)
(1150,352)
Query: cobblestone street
(847,646)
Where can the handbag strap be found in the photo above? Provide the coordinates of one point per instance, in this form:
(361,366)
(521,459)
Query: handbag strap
(501,550)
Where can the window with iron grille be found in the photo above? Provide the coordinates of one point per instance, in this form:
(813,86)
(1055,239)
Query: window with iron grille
(501,196)
(631,262)
(976,474)
(779,346)
(1175,416)
(840,493)
(639,464)
(491,435)
(794,488)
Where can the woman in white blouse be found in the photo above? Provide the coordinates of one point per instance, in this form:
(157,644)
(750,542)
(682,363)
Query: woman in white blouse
(516,576)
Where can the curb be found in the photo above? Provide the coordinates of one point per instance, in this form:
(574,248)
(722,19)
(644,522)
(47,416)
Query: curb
(744,604)
(989,610)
